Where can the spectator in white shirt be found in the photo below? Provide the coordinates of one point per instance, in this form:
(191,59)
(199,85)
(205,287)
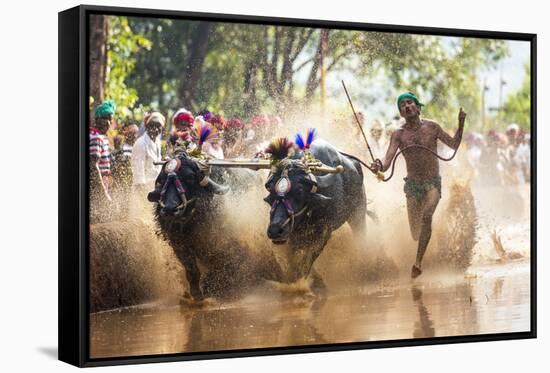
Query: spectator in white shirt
(146,151)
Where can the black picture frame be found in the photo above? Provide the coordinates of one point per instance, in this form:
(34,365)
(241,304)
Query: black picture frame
(73,185)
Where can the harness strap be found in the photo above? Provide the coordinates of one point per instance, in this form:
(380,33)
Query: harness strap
(204,182)
(313,179)
(179,185)
(289,210)
(292,216)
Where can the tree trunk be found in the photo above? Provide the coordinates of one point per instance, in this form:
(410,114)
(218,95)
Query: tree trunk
(194,62)
(313,82)
(286,71)
(98,56)
(250,76)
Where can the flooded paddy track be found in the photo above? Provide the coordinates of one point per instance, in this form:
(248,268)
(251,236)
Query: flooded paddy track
(489,299)
(492,296)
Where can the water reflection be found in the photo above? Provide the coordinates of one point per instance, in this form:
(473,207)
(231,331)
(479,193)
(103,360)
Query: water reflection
(253,326)
(424,326)
(427,309)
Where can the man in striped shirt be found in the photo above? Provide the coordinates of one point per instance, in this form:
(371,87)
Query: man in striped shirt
(100,156)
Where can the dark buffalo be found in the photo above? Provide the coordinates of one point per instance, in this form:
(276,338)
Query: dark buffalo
(188,211)
(307,208)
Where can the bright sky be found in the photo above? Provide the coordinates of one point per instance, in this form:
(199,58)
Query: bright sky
(513,72)
(511,68)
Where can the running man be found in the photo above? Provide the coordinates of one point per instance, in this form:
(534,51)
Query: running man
(423,182)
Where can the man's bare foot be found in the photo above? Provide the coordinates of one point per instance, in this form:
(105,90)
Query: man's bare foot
(415,271)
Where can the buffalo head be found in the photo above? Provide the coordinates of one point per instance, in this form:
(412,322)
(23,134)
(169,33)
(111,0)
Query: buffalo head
(293,193)
(183,181)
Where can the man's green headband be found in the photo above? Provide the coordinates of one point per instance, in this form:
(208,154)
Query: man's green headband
(407,96)
(106,109)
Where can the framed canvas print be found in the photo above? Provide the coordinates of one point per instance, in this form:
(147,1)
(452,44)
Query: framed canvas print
(239,185)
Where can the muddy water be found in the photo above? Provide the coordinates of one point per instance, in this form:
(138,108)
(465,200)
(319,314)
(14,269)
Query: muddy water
(488,299)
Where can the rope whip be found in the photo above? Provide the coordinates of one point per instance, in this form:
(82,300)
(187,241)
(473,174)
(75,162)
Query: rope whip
(380,175)
(386,179)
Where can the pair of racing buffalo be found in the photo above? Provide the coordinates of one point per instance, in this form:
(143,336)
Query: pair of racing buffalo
(306,207)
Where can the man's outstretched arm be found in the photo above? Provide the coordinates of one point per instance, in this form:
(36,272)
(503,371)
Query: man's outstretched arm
(453,142)
(378,165)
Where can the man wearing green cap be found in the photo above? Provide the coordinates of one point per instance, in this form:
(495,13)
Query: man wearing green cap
(423,182)
(100,157)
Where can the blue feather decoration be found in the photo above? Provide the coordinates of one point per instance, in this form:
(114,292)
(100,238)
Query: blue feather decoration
(204,132)
(311,133)
(299,141)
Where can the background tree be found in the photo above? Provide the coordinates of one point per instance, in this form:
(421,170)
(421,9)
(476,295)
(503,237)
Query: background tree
(243,69)
(192,68)
(517,107)
(122,45)
(441,71)
(98,56)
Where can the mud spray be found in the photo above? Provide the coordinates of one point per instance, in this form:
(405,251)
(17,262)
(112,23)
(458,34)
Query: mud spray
(130,264)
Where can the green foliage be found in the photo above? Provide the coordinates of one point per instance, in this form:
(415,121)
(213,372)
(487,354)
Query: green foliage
(517,107)
(222,80)
(158,69)
(122,45)
(251,68)
(441,71)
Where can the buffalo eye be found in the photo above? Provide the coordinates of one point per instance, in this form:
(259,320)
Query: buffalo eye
(153,196)
(269,199)
(270,183)
(305,181)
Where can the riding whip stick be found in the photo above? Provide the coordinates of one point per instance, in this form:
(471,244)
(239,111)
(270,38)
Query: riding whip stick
(103,186)
(379,174)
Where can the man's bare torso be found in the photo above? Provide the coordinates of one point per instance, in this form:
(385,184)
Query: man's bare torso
(421,164)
